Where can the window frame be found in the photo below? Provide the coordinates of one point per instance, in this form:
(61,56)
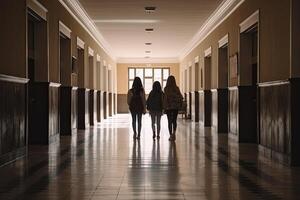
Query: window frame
(147,77)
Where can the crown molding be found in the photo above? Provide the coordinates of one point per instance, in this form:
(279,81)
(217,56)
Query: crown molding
(80,15)
(147,60)
(226,8)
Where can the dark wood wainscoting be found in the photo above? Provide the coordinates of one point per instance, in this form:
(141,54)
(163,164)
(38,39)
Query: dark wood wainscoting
(115,104)
(195,106)
(68,110)
(105,107)
(205,107)
(83,120)
(214,109)
(188,103)
(101,106)
(279,121)
(122,103)
(54,112)
(74,109)
(295,125)
(93,107)
(242,114)
(110,106)
(233,111)
(98,106)
(43,112)
(13,118)
(223,110)
(190,110)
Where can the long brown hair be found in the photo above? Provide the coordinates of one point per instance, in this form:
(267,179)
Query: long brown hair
(171,82)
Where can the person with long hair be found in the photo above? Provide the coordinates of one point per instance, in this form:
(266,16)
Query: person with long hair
(137,105)
(155,107)
(172,103)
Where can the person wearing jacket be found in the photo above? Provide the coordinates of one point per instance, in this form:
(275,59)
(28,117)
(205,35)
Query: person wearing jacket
(172,103)
(155,107)
(137,105)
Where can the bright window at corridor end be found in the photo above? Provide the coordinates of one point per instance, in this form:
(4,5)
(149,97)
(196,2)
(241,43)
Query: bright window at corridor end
(148,76)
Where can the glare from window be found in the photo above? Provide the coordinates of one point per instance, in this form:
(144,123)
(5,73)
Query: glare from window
(148,76)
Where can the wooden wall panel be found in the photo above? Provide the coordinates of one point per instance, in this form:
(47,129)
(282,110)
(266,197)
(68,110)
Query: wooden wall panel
(13,114)
(110,106)
(214,109)
(82,108)
(274,117)
(233,111)
(68,111)
(223,110)
(54,123)
(99,110)
(195,106)
(201,107)
(74,109)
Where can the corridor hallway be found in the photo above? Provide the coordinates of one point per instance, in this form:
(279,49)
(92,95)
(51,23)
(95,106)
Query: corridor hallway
(106,163)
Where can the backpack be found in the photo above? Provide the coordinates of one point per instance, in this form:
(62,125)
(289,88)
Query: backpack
(136,102)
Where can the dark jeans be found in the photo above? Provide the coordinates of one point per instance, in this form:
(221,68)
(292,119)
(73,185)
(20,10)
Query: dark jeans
(172,120)
(136,117)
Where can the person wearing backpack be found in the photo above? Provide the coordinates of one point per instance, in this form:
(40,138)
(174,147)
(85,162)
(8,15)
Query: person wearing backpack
(172,103)
(155,107)
(137,105)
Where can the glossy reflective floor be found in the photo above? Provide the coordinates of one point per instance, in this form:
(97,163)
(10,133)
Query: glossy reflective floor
(105,163)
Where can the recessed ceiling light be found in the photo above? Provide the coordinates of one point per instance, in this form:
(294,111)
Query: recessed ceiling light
(149,30)
(147,51)
(150,9)
(147,56)
(148,43)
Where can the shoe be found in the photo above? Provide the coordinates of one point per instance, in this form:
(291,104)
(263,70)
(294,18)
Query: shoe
(171,138)
(138,137)
(154,136)
(174,137)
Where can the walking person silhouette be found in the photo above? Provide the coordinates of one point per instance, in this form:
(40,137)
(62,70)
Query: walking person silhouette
(172,103)
(137,105)
(155,107)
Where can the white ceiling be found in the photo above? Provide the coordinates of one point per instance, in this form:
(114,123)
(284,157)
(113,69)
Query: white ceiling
(122,23)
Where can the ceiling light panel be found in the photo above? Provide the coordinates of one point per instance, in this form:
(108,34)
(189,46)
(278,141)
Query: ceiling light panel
(149,30)
(150,9)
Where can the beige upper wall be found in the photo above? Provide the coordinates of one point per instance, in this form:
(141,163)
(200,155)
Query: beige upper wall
(295,65)
(58,12)
(274,39)
(13,39)
(122,73)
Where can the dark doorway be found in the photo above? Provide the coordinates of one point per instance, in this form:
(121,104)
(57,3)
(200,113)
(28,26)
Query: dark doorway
(37,73)
(249,48)
(222,91)
(66,96)
(207,91)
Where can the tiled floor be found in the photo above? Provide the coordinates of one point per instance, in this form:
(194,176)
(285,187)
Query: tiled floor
(106,163)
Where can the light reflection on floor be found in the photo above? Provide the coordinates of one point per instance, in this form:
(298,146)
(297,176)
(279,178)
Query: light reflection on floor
(104,162)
